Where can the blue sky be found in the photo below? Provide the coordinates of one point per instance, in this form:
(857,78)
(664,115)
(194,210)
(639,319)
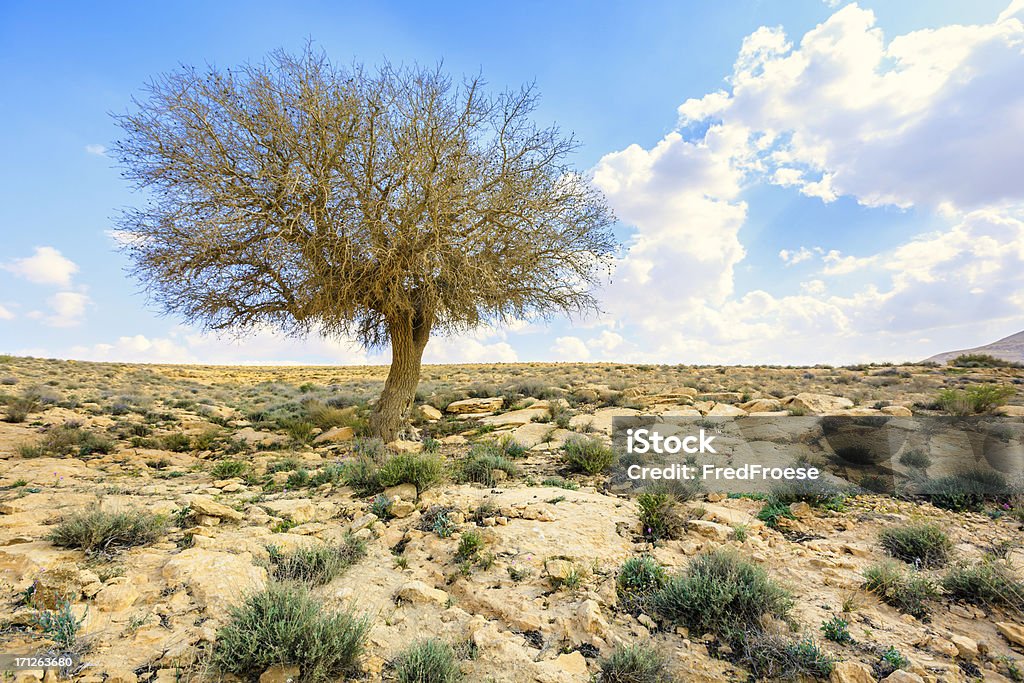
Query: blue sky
(797,182)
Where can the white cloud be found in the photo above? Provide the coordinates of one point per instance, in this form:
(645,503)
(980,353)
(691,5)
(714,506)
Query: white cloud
(571,349)
(5,313)
(68,309)
(791,258)
(46,266)
(930,120)
(98,150)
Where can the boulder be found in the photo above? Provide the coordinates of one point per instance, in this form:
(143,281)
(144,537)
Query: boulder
(470,406)
(897,411)
(215,579)
(401,491)
(335,435)
(116,597)
(1014,633)
(901,676)
(516,417)
(817,403)
(403,446)
(201,505)
(257,438)
(852,672)
(966,647)
(762,405)
(726,410)
(428,412)
(301,510)
(713,530)
(419,593)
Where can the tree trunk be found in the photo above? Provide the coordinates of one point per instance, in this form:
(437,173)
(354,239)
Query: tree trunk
(408,338)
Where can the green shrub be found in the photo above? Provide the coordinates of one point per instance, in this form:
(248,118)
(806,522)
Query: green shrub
(638,581)
(906,590)
(982,360)
(177,442)
(317,565)
(100,532)
(989,582)
(90,443)
(18,409)
(979,398)
(60,625)
(299,479)
(480,463)
(298,430)
(284,624)
(427,661)
(837,630)
(891,660)
(634,664)
(470,544)
(967,490)
(587,455)
(772,512)
(921,544)
(660,516)
(381,506)
(437,519)
(820,494)
(228,469)
(420,470)
(561,483)
(775,657)
(362,475)
(721,593)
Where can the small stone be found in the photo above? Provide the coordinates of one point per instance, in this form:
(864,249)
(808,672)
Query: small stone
(403,491)
(401,509)
(121,676)
(967,647)
(572,663)
(280,673)
(335,435)
(901,676)
(429,413)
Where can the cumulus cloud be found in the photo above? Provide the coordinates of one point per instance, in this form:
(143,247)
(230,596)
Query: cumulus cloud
(571,349)
(97,150)
(929,119)
(46,266)
(68,309)
(5,313)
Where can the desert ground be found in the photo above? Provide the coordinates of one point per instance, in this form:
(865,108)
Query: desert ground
(145,509)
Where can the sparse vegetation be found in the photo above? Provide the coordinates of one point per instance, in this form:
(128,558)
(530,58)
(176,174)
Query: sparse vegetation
(318,564)
(99,531)
(634,664)
(979,398)
(907,590)
(587,455)
(989,582)
(921,544)
(723,594)
(284,624)
(639,580)
(427,661)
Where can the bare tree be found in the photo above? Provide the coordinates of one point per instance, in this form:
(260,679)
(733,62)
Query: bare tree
(380,205)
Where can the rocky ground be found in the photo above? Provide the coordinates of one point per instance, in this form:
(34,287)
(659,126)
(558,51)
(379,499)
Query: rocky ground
(242,462)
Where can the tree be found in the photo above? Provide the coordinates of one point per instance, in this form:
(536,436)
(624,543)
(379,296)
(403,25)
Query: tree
(380,205)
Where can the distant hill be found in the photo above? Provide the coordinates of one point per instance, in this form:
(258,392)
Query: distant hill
(1009,348)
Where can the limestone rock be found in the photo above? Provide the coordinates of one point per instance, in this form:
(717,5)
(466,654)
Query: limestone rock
(401,491)
(897,411)
(280,673)
(116,597)
(1012,632)
(215,579)
(419,593)
(516,417)
(429,412)
(713,530)
(966,647)
(301,510)
(852,672)
(901,676)
(475,405)
(762,405)
(257,438)
(725,410)
(404,446)
(334,435)
(818,403)
(201,505)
